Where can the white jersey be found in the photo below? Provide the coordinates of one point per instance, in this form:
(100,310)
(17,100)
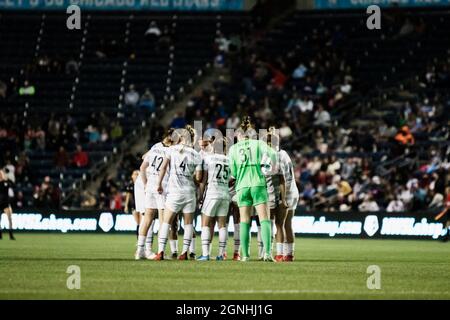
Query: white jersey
(218,169)
(184,162)
(155,158)
(287,169)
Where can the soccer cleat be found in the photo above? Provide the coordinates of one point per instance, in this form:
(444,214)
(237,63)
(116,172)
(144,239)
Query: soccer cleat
(203,258)
(278,258)
(149,255)
(245,259)
(288,258)
(220,258)
(140,254)
(159,256)
(236,256)
(174,256)
(268,258)
(192,256)
(183,256)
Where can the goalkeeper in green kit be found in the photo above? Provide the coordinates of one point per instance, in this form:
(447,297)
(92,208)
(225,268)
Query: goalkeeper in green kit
(250,160)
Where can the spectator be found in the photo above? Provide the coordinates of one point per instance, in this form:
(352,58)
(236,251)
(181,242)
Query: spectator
(131,96)
(233,121)
(72,67)
(300,72)
(396,205)
(322,117)
(152,33)
(147,101)
(61,158)
(104,136)
(368,205)
(179,121)
(116,131)
(80,158)
(27,89)
(404,136)
(93,134)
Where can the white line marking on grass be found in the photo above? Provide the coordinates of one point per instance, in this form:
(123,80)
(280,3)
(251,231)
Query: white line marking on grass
(243,292)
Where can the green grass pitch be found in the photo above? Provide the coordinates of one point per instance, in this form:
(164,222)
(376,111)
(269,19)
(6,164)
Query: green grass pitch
(34,267)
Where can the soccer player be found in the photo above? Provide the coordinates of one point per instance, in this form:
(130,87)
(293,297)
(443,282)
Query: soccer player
(139,203)
(234,211)
(129,200)
(5,205)
(292,196)
(249,158)
(184,173)
(154,202)
(277,201)
(216,200)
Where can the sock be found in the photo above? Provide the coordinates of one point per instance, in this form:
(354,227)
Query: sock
(222,240)
(149,238)
(141,241)
(206,234)
(245,238)
(237,240)
(266,235)
(272,224)
(137,231)
(192,245)
(173,246)
(260,243)
(187,238)
(211,233)
(163,236)
(279,249)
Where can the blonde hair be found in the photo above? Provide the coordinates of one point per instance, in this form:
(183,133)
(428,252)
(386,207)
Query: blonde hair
(246,129)
(167,139)
(220,145)
(246,124)
(273,139)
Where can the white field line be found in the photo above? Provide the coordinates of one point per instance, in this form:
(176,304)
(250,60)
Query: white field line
(243,292)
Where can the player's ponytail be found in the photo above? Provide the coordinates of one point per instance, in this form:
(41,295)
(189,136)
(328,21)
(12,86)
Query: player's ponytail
(246,124)
(220,145)
(273,139)
(191,132)
(168,139)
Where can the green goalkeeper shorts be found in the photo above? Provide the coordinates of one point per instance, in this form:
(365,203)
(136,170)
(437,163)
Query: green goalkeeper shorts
(252,196)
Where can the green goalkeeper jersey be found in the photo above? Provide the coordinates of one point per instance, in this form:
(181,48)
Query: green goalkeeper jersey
(248,158)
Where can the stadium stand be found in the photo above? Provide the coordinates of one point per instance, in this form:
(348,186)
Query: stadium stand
(71,89)
(365,113)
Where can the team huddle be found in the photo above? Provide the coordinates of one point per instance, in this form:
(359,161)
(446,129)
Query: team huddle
(251,179)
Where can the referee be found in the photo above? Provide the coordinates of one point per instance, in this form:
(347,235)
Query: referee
(5,204)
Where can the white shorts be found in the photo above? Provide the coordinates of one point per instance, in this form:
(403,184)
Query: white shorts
(139,200)
(184,203)
(154,200)
(292,203)
(216,207)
